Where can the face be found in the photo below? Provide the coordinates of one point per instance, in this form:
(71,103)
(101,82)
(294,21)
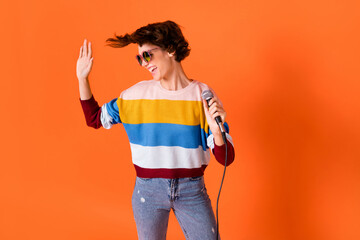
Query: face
(161,62)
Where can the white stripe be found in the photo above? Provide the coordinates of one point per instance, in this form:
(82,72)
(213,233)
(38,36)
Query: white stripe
(210,140)
(229,138)
(106,119)
(152,90)
(169,157)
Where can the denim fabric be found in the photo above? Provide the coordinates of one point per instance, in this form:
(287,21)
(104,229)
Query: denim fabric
(153,198)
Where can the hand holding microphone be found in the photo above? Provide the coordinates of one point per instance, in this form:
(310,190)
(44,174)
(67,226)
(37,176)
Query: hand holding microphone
(215,113)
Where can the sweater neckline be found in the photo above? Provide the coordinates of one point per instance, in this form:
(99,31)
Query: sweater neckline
(175,92)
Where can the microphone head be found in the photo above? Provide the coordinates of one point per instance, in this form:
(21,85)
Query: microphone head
(207,95)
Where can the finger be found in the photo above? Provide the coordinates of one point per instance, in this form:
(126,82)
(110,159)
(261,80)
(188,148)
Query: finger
(81,52)
(214,101)
(211,102)
(214,105)
(213,111)
(217,109)
(206,109)
(90,51)
(217,114)
(221,116)
(85,49)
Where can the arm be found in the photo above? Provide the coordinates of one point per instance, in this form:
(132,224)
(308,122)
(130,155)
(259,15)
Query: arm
(219,147)
(83,68)
(92,112)
(91,108)
(95,116)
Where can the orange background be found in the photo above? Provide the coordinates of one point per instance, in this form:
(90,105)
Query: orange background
(286,71)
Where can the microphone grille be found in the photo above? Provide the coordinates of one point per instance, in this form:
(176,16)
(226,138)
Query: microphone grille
(207,94)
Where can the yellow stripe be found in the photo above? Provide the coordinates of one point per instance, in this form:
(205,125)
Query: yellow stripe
(162,111)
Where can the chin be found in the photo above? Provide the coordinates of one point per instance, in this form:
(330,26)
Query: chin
(156,76)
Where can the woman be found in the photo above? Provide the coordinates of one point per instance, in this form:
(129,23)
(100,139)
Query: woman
(170,129)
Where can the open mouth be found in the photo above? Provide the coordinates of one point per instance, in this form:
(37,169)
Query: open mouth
(152,70)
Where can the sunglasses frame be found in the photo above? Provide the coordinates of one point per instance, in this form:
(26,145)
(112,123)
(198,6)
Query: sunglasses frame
(142,57)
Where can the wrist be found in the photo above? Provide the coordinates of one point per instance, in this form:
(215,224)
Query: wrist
(218,139)
(84,89)
(83,79)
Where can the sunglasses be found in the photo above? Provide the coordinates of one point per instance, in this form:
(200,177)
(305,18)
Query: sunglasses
(146,56)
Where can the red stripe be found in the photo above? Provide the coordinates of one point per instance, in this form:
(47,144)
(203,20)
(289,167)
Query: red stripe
(219,153)
(169,173)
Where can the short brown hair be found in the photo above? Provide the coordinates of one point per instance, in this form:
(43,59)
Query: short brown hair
(166,35)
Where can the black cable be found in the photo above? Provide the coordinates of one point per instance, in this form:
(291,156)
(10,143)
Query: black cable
(222,180)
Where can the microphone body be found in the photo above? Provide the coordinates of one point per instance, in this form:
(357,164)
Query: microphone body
(208,95)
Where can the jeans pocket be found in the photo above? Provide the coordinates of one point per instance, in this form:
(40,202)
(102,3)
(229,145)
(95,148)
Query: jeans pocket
(195,178)
(144,179)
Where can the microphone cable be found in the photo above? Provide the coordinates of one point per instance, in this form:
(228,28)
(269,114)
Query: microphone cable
(222,181)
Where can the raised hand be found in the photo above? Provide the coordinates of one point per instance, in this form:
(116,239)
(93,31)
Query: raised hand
(84,62)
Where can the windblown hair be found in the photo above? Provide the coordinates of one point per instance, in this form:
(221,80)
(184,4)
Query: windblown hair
(167,35)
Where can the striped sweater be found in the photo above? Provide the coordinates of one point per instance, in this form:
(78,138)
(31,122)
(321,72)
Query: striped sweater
(168,132)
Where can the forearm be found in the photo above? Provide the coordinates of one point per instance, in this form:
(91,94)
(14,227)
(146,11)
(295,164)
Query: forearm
(216,132)
(84,89)
(92,112)
(219,149)
(218,139)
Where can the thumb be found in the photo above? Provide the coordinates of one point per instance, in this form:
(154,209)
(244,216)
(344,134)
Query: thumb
(206,109)
(90,63)
(205,105)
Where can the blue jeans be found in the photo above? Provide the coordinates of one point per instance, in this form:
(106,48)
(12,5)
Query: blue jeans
(153,198)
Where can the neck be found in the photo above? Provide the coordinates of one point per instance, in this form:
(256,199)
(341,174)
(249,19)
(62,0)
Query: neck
(176,80)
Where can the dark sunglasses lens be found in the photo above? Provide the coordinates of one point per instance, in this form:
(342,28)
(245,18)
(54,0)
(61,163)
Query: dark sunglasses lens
(146,56)
(138,58)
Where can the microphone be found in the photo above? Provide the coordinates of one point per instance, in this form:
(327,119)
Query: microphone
(208,95)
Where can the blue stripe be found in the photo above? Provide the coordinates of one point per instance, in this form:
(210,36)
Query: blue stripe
(226,126)
(113,110)
(166,134)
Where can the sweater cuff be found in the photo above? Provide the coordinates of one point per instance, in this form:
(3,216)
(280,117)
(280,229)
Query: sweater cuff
(89,103)
(220,152)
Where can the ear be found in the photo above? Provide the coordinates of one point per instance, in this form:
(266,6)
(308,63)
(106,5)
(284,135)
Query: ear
(171,54)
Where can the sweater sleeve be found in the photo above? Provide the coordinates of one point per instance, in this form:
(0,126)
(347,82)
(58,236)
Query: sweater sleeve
(92,112)
(219,153)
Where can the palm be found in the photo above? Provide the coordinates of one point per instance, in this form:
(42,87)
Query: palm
(83,67)
(84,62)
